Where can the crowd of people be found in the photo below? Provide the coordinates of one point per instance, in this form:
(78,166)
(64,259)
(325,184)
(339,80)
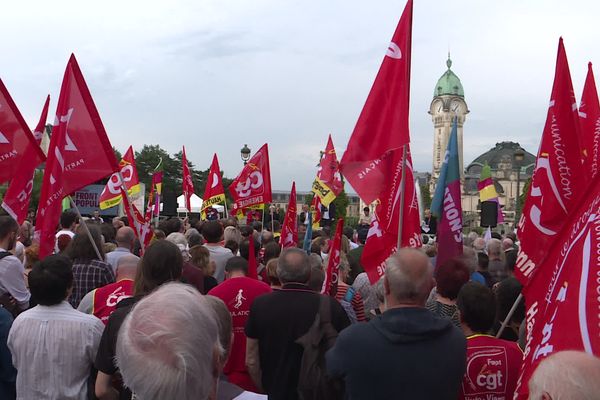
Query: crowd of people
(185,318)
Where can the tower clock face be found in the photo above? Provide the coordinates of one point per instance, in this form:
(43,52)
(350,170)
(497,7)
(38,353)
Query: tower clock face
(437,107)
(456,107)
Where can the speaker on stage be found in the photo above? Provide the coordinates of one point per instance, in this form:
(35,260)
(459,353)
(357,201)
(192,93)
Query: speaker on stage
(489,214)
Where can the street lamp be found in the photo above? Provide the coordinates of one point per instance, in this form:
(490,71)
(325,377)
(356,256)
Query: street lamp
(245,154)
(519,156)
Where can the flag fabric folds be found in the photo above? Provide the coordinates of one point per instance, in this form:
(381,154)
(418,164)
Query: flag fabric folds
(328,182)
(589,118)
(38,133)
(188,185)
(111,194)
(315,210)
(253,185)
(330,283)
(446,204)
(214,192)
(558,179)
(289,229)
(79,152)
(382,126)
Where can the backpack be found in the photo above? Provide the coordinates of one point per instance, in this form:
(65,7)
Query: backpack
(346,303)
(313,382)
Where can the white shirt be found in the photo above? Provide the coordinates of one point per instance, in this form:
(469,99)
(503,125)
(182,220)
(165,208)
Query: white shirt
(59,234)
(12,280)
(113,257)
(219,255)
(53,349)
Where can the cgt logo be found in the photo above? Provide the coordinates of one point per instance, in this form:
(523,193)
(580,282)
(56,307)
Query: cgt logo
(253,182)
(486,371)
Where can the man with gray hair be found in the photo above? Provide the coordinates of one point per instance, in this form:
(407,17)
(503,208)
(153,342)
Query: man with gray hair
(125,242)
(572,375)
(278,319)
(174,354)
(497,265)
(407,352)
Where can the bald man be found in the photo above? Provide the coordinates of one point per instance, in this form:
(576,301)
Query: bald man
(407,352)
(125,242)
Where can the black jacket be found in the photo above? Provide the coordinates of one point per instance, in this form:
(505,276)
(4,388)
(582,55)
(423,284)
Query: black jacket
(405,353)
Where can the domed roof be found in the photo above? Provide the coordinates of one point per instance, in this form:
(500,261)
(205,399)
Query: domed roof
(501,157)
(449,83)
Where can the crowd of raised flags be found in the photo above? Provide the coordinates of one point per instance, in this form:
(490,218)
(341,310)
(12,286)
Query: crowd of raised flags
(558,261)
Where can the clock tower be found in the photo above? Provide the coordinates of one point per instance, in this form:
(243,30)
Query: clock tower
(448,102)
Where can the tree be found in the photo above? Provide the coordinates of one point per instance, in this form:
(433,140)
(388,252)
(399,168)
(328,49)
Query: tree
(521,200)
(425,196)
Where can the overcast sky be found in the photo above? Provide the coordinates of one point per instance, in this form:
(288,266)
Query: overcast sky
(214,75)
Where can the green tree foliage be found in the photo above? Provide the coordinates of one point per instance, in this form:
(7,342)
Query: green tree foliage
(425,196)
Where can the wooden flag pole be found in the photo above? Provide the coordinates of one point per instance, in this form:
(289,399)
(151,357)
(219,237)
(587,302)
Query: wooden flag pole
(225,203)
(509,315)
(402,189)
(86,228)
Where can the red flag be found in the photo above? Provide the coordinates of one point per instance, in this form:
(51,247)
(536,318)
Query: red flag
(188,185)
(333,261)
(558,179)
(157,178)
(382,239)
(17,197)
(111,194)
(136,220)
(383,123)
(214,192)
(589,118)
(79,153)
(289,229)
(15,138)
(253,185)
(562,295)
(315,209)
(328,183)
(252,263)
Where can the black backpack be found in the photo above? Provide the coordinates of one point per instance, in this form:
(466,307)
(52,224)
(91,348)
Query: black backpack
(313,381)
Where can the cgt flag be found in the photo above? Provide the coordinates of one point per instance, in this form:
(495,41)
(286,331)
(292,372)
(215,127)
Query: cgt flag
(214,192)
(111,194)
(289,230)
(17,197)
(330,283)
(328,183)
(589,118)
(446,206)
(79,152)
(253,185)
(188,185)
(383,123)
(558,179)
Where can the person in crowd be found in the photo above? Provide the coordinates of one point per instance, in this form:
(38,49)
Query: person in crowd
(96,218)
(363,286)
(266,237)
(18,251)
(346,293)
(449,277)
(200,258)
(26,232)
(470,259)
(572,375)
(271,250)
(510,259)
(68,224)
(52,345)
(239,292)
(245,253)
(190,274)
(171,225)
(479,245)
(89,269)
(320,246)
(162,262)
(507,245)
(354,256)
(277,320)
(408,351)
(158,235)
(365,219)
(212,231)
(125,243)
(470,239)
(482,267)
(507,293)
(108,233)
(103,301)
(8,373)
(193,237)
(117,223)
(349,234)
(232,233)
(317,273)
(493,365)
(496,266)
(429,224)
(32,256)
(379,294)
(174,354)
(272,277)
(14,294)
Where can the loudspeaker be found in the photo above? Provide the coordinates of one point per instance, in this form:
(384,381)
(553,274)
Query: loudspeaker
(489,214)
(169,200)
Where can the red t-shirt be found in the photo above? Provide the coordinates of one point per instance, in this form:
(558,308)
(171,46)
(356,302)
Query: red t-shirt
(492,368)
(106,298)
(238,294)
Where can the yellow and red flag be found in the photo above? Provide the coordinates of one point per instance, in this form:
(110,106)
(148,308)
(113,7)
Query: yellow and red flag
(111,195)
(328,183)
(214,192)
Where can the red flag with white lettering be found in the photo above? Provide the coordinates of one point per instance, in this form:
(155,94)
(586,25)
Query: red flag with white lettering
(253,185)
(383,123)
(330,283)
(16,199)
(188,185)
(289,229)
(111,194)
(558,179)
(79,153)
(589,118)
(15,138)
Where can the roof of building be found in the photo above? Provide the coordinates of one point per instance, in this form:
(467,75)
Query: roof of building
(449,83)
(499,156)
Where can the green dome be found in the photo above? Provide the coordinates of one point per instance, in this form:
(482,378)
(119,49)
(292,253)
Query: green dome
(449,83)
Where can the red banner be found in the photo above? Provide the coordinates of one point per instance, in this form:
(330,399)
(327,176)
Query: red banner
(330,283)
(79,153)
(253,185)
(111,194)
(328,183)
(188,185)
(589,118)
(214,192)
(38,133)
(289,229)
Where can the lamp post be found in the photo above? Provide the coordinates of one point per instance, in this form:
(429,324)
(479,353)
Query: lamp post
(245,154)
(519,156)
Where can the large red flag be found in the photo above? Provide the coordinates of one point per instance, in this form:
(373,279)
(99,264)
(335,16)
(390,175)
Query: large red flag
(15,138)
(111,194)
(383,123)
(558,179)
(289,229)
(333,262)
(17,197)
(253,185)
(79,153)
(589,118)
(214,192)
(188,185)
(328,183)
(562,296)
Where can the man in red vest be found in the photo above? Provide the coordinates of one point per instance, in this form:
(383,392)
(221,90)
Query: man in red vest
(102,301)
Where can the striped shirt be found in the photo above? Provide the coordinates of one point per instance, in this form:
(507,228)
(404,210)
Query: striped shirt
(53,349)
(87,276)
(357,301)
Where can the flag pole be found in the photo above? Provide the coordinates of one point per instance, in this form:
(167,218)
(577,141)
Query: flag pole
(225,203)
(272,221)
(128,198)
(509,315)
(402,189)
(262,224)
(85,228)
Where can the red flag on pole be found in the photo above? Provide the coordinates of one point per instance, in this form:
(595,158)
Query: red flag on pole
(289,229)
(333,261)
(589,118)
(328,183)
(252,263)
(558,179)
(79,153)
(16,199)
(15,138)
(315,209)
(253,185)
(214,193)
(111,194)
(383,123)
(188,185)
